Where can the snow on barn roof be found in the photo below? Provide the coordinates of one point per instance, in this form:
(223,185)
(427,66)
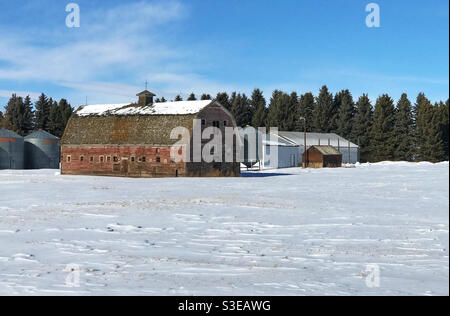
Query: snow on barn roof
(327,150)
(163,108)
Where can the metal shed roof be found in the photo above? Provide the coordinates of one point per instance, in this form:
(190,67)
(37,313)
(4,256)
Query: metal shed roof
(8,133)
(313,139)
(327,150)
(41,135)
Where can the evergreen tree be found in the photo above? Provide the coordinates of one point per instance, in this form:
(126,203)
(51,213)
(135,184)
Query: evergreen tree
(55,120)
(404,130)
(383,141)
(323,112)
(28,116)
(362,126)
(241,110)
(424,115)
(306,108)
(2,117)
(224,100)
(192,97)
(445,128)
(258,103)
(157,100)
(292,113)
(178,98)
(66,112)
(205,97)
(345,114)
(277,110)
(163,100)
(42,112)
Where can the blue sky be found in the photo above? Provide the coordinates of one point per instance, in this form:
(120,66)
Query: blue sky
(181,46)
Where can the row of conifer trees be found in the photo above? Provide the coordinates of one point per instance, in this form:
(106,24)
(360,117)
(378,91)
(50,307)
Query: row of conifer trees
(386,130)
(23,117)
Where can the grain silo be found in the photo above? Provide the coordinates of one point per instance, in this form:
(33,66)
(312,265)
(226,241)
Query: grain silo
(11,150)
(42,151)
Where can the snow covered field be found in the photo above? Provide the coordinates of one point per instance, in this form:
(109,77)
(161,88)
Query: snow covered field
(297,232)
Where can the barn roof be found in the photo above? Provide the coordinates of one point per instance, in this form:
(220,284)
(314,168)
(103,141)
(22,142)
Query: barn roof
(8,133)
(163,108)
(131,124)
(314,139)
(327,150)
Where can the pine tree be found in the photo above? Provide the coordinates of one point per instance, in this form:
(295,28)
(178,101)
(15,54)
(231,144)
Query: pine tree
(445,128)
(404,130)
(55,120)
(163,100)
(258,103)
(66,112)
(178,98)
(224,100)
(42,112)
(292,114)
(278,106)
(28,116)
(205,97)
(424,114)
(323,112)
(192,97)
(362,126)
(2,117)
(383,140)
(306,108)
(241,110)
(345,114)
(14,114)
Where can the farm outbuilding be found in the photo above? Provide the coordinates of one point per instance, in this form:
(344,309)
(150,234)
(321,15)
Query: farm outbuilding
(135,140)
(322,157)
(11,150)
(349,150)
(42,151)
(267,150)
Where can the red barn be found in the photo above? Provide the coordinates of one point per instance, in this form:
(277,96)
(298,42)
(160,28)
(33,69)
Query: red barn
(134,140)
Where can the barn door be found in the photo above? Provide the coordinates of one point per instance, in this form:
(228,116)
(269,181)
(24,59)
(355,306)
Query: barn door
(124,166)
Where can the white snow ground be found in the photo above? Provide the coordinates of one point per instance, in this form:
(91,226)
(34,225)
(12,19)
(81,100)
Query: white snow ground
(302,232)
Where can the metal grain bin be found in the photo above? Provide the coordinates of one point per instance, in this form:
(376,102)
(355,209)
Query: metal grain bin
(42,151)
(11,150)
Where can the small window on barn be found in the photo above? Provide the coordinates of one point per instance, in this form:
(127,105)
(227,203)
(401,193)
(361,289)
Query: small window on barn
(102,159)
(158,150)
(116,159)
(158,159)
(133,159)
(69,158)
(81,158)
(91,159)
(108,159)
(143,159)
(225,123)
(203,122)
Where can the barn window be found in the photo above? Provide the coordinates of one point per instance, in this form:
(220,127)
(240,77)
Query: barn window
(108,159)
(91,159)
(69,158)
(225,123)
(116,159)
(81,158)
(158,150)
(133,158)
(102,159)
(143,159)
(203,122)
(158,159)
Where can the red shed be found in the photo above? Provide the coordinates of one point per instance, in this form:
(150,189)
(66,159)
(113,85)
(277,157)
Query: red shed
(322,157)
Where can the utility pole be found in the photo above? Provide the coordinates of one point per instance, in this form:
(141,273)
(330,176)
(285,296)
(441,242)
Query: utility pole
(305,163)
